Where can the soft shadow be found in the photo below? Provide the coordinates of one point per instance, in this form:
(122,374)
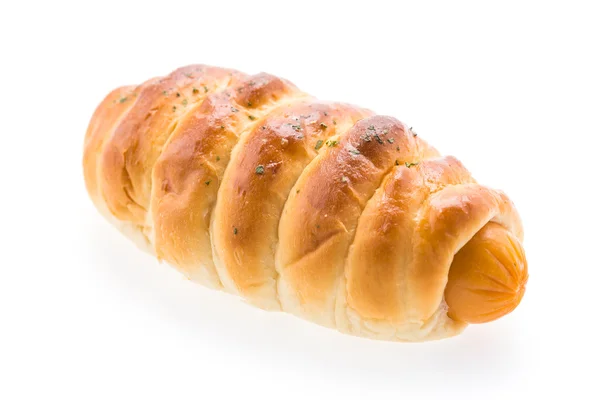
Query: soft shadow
(482,355)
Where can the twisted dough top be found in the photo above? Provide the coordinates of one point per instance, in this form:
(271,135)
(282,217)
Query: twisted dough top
(325,210)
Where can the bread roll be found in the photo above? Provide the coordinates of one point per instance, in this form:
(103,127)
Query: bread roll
(324,210)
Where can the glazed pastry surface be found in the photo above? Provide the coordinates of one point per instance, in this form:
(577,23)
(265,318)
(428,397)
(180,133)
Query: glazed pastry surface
(325,210)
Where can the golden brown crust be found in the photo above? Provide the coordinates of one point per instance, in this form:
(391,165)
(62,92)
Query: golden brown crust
(258,182)
(189,171)
(130,153)
(323,210)
(319,220)
(106,116)
(378,274)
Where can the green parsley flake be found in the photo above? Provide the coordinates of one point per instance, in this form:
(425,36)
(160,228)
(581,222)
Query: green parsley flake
(331,143)
(195,91)
(207,182)
(323,126)
(371,128)
(165,92)
(296,128)
(205,89)
(235,231)
(233,109)
(354,151)
(122,99)
(319,144)
(178,94)
(390,140)
(260,170)
(251,117)
(184,102)
(218,158)
(408,165)
(174,108)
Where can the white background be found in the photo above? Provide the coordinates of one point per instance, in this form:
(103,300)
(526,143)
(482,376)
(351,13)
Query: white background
(511,89)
